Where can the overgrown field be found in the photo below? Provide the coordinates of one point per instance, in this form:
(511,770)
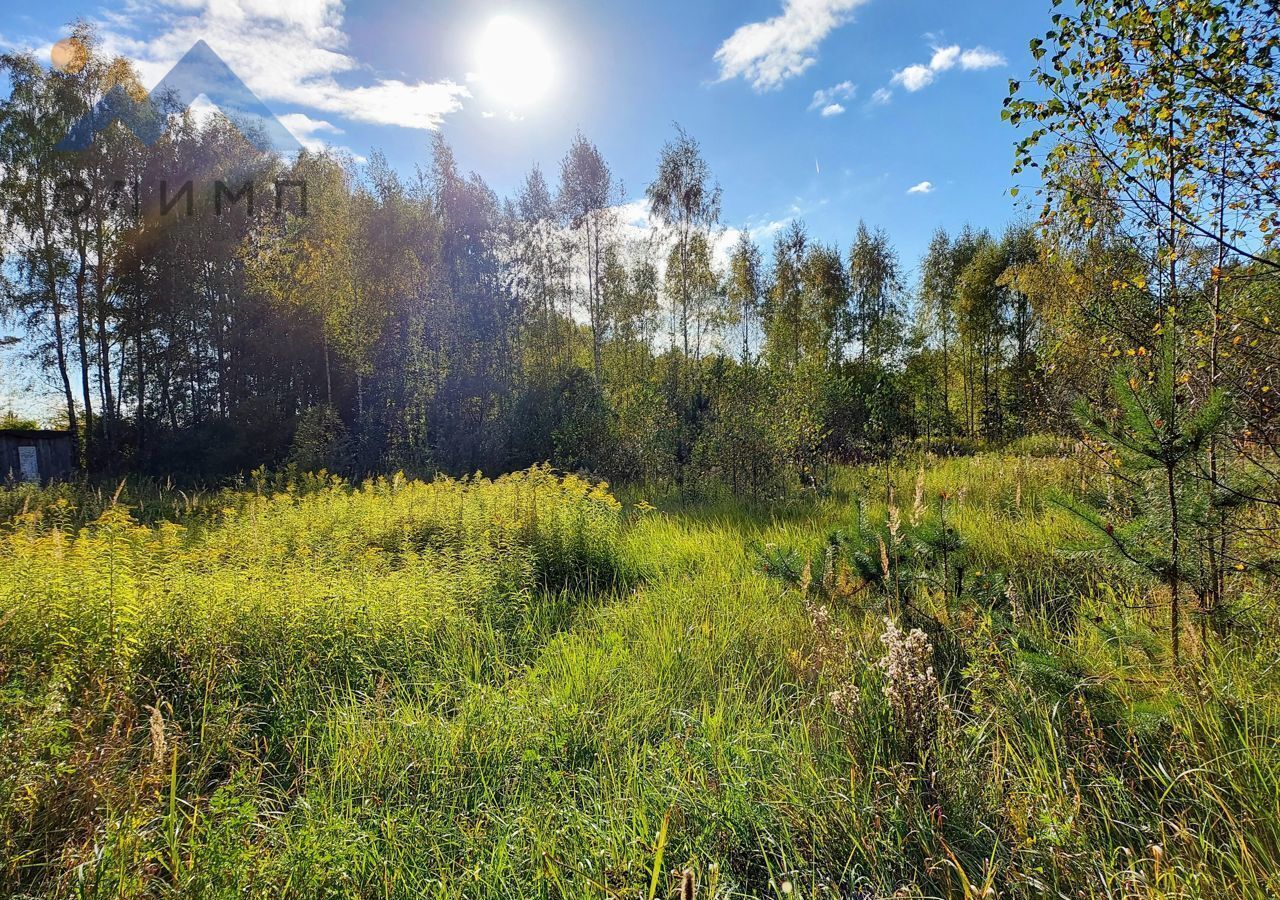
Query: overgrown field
(524,687)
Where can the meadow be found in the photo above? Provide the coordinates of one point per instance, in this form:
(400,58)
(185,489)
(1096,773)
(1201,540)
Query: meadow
(922,681)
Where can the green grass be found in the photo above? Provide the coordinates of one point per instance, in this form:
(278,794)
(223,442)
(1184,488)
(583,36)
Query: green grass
(521,687)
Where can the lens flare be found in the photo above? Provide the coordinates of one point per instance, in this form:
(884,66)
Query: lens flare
(69,55)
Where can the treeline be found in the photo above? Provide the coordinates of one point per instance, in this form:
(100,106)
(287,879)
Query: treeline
(206,308)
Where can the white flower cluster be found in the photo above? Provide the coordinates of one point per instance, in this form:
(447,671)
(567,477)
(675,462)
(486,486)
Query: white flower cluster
(832,653)
(845,699)
(909,683)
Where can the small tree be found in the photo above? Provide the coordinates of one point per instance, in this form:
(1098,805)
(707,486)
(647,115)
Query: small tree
(686,200)
(744,288)
(1156,447)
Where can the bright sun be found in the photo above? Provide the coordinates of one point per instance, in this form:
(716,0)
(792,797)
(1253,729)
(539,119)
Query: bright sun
(514,63)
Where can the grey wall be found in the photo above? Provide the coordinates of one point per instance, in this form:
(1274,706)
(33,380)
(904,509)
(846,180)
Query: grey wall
(53,454)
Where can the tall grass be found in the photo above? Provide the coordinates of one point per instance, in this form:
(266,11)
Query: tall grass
(516,688)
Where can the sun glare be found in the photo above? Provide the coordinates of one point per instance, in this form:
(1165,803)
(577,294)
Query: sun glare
(514,63)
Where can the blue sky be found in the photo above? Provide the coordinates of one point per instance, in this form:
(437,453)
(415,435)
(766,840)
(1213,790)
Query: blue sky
(742,77)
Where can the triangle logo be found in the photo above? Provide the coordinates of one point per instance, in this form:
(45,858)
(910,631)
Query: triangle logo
(200,71)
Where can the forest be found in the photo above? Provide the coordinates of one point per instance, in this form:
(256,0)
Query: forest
(427,542)
(202,314)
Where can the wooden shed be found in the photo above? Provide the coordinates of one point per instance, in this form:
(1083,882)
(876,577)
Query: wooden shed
(34,455)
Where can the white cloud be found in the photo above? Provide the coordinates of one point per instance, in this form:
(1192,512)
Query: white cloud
(760,233)
(981,58)
(768,53)
(828,99)
(418,105)
(287,51)
(881,97)
(918,76)
(201,110)
(305,128)
(842,91)
(913,78)
(636,214)
(944,58)
(924,187)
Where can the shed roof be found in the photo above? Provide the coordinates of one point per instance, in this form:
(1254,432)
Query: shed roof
(31,433)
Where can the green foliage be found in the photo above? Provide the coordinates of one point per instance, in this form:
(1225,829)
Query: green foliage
(12,420)
(1148,95)
(320,442)
(740,445)
(1159,440)
(457,687)
(428,325)
(474,687)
